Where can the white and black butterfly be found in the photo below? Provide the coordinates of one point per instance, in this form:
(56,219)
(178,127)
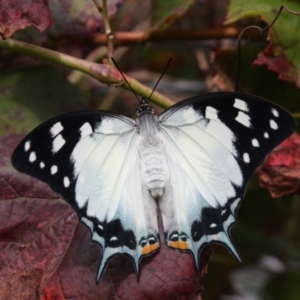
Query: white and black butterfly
(194,161)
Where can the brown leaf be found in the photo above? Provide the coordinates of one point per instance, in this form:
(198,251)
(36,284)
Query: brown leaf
(45,255)
(280,172)
(19,14)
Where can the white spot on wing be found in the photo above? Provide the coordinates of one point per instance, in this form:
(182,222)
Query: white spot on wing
(244,119)
(32,156)
(113,238)
(27,146)
(58,143)
(213,225)
(273,124)
(100,227)
(56,129)
(241,105)
(42,165)
(266,135)
(246,158)
(255,143)
(54,169)
(275,112)
(66,181)
(223,212)
(86,129)
(211,113)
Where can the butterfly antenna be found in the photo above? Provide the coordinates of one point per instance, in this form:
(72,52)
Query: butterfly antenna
(162,74)
(262,30)
(116,65)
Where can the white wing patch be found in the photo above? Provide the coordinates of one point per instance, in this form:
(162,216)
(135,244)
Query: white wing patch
(273,124)
(241,105)
(32,157)
(53,169)
(56,129)
(27,146)
(246,158)
(255,143)
(244,119)
(211,113)
(58,142)
(66,181)
(188,115)
(275,112)
(86,129)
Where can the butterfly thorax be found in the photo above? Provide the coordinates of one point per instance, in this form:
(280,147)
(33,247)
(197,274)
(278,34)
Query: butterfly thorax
(153,164)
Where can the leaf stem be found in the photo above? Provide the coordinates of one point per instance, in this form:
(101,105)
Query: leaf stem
(102,72)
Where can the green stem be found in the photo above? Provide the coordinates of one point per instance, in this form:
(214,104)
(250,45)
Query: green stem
(104,73)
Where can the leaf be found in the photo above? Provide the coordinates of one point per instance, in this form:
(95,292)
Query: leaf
(166,12)
(280,170)
(71,20)
(34,232)
(34,94)
(19,14)
(282,53)
(46,254)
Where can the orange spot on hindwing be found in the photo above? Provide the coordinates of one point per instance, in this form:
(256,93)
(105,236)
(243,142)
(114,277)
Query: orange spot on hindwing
(149,245)
(178,240)
(179,245)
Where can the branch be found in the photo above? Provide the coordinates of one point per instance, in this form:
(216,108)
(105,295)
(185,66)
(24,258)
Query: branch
(109,34)
(102,72)
(130,38)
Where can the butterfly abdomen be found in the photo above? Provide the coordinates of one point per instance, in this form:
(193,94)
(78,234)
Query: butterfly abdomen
(153,163)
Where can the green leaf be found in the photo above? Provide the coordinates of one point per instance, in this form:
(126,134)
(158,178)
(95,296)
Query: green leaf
(166,12)
(31,95)
(282,54)
(267,9)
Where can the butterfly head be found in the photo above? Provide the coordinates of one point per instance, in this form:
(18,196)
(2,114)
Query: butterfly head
(144,108)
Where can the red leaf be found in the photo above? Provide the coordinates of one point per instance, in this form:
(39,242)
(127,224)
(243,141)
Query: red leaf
(19,14)
(280,172)
(278,63)
(45,255)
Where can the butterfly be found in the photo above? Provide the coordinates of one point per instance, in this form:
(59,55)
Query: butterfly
(193,161)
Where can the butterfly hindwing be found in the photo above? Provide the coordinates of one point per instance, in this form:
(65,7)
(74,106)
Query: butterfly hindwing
(90,158)
(214,144)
